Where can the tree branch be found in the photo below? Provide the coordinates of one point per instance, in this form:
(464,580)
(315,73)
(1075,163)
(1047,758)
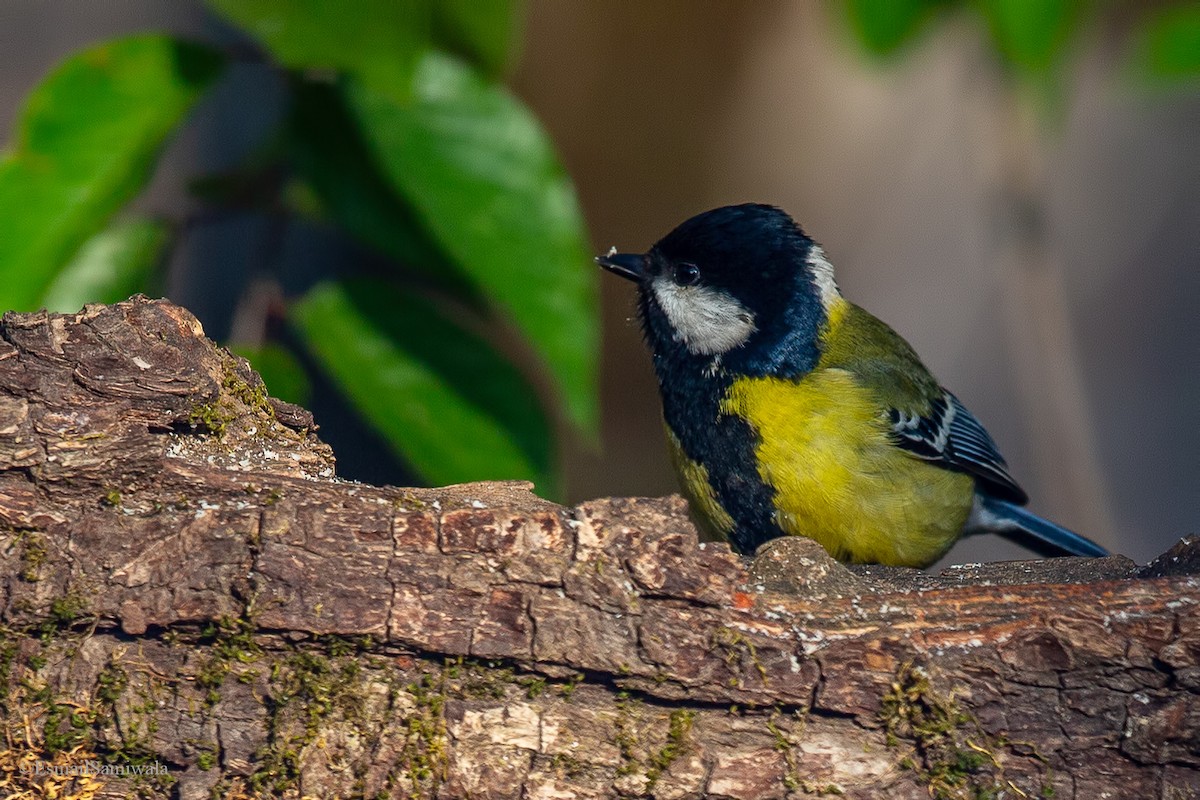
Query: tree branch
(188,586)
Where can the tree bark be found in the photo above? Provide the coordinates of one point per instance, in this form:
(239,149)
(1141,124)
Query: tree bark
(188,590)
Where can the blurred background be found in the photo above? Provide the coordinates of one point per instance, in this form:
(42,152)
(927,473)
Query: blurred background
(1013,186)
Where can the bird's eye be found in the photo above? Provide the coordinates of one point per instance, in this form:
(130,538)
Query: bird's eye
(686,274)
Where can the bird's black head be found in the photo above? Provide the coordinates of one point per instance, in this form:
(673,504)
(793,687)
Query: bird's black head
(740,284)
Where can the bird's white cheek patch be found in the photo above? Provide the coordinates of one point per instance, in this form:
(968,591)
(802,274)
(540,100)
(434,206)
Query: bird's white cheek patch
(707,321)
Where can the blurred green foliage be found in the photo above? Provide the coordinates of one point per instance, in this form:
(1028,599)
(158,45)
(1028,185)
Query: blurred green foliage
(1168,44)
(85,145)
(1033,36)
(392,344)
(399,135)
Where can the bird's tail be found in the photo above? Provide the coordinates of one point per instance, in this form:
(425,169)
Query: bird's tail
(994,515)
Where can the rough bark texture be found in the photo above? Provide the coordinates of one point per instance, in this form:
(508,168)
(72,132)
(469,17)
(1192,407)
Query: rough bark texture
(186,584)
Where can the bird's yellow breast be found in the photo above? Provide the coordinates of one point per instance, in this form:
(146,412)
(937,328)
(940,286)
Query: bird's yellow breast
(823,447)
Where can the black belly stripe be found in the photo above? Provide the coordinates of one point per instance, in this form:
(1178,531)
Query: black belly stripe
(724,445)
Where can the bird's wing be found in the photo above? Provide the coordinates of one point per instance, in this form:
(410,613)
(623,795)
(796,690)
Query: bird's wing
(950,435)
(927,421)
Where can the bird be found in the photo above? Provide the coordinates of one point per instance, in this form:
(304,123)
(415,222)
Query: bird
(790,411)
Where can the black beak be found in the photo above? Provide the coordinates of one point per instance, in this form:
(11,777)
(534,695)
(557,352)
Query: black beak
(631,266)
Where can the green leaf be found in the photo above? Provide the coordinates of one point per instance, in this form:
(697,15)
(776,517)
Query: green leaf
(484,31)
(447,402)
(1168,43)
(884,26)
(280,370)
(486,183)
(85,144)
(330,154)
(380,41)
(1031,34)
(113,264)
